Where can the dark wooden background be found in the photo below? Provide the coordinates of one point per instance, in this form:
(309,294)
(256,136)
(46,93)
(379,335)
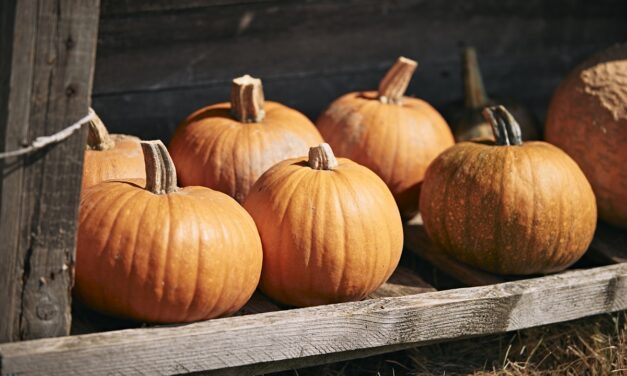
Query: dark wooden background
(159,60)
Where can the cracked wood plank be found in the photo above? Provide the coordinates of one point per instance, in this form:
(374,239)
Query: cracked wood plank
(47,55)
(316,335)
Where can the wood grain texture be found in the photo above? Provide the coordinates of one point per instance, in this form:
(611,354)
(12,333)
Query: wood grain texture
(155,66)
(280,337)
(417,241)
(48,52)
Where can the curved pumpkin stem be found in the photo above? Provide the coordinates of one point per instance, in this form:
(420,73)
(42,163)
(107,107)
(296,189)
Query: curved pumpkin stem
(321,157)
(392,87)
(474,90)
(160,170)
(247,99)
(505,128)
(98,137)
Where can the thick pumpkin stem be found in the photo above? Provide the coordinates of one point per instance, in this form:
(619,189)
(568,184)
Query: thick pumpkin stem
(160,170)
(247,99)
(98,137)
(392,87)
(474,91)
(321,157)
(505,128)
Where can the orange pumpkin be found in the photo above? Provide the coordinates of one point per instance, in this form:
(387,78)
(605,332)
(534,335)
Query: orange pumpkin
(468,123)
(330,229)
(587,118)
(227,146)
(107,157)
(162,253)
(397,137)
(509,207)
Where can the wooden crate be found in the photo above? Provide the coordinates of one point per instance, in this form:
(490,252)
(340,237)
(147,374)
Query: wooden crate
(158,60)
(405,312)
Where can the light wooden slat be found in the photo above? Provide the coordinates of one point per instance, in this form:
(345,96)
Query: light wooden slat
(280,337)
(417,241)
(47,55)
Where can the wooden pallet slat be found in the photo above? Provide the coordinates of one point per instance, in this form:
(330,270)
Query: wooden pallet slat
(47,55)
(280,337)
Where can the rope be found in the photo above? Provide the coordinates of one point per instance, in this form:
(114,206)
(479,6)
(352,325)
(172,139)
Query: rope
(43,141)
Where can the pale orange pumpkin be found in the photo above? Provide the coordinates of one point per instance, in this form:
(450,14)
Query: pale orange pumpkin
(395,136)
(115,156)
(227,146)
(509,207)
(587,118)
(162,253)
(330,229)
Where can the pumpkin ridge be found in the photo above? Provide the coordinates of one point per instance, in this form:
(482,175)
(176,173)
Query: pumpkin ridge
(531,237)
(474,168)
(388,232)
(364,231)
(105,249)
(338,201)
(129,276)
(198,230)
(223,278)
(447,242)
(209,154)
(282,283)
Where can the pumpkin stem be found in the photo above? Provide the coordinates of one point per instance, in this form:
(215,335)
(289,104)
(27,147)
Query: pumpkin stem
(98,137)
(160,170)
(392,87)
(505,128)
(474,90)
(247,99)
(321,157)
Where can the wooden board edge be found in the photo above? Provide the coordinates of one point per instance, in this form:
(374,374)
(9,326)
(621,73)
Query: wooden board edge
(279,337)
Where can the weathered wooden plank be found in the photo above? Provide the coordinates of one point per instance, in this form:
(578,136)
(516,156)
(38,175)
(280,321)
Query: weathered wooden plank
(155,68)
(403,282)
(417,241)
(132,7)
(280,337)
(609,244)
(48,53)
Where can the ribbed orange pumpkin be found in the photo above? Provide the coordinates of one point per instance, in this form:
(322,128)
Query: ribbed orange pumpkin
(587,118)
(509,208)
(394,136)
(330,229)
(227,146)
(107,157)
(164,254)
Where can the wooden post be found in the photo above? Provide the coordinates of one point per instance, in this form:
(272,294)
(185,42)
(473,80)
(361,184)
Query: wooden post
(47,54)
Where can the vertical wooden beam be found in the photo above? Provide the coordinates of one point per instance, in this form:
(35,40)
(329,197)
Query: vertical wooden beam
(47,54)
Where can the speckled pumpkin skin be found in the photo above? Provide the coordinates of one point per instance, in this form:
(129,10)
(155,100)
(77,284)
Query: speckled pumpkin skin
(184,256)
(396,141)
(587,118)
(521,209)
(329,236)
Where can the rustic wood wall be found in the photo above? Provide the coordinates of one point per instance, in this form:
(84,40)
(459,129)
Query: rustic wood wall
(159,60)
